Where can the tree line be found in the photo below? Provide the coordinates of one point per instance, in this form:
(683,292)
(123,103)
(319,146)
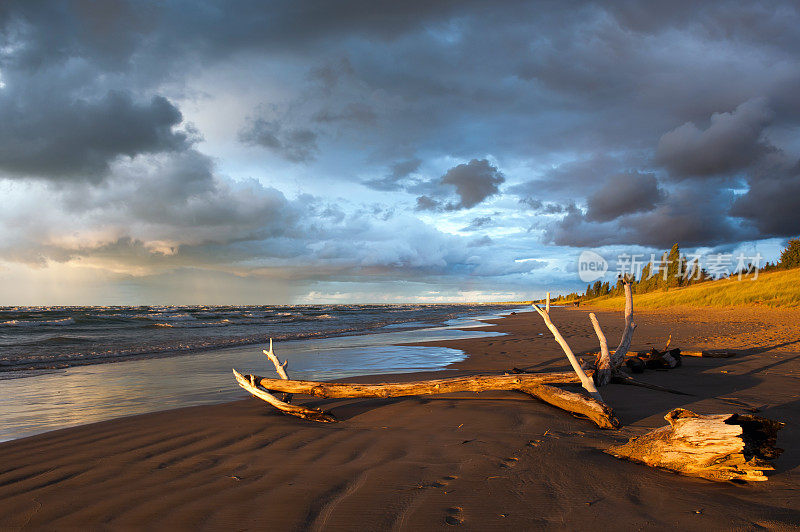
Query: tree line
(673,270)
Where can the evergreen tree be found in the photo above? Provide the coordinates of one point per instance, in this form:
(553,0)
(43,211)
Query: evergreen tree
(597,288)
(647,281)
(790,257)
(676,267)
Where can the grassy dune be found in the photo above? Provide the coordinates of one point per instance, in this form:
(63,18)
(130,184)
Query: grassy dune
(773,289)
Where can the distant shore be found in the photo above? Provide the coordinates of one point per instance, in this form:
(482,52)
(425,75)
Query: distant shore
(496,460)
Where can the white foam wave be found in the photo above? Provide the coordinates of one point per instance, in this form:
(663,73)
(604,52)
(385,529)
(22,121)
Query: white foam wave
(171,317)
(34,323)
(194,324)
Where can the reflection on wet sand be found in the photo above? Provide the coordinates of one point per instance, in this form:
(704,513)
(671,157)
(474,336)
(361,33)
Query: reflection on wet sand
(87,394)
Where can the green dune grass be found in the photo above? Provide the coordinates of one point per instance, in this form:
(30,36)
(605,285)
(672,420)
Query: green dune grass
(773,289)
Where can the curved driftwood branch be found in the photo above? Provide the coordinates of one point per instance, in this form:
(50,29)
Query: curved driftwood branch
(596,411)
(603,360)
(715,447)
(249,383)
(586,382)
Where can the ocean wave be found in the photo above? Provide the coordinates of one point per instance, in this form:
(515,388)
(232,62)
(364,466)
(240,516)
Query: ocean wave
(257,314)
(195,324)
(39,323)
(120,316)
(171,317)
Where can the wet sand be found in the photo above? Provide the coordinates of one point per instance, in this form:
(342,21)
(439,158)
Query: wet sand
(495,460)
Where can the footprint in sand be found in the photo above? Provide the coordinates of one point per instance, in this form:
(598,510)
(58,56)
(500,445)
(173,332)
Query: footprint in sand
(509,462)
(454,516)
(441,483)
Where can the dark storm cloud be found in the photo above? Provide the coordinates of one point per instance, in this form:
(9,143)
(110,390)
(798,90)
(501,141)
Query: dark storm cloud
(731,143)
(472,182)
(692,217)
(623,194)
(294,144)
(568,179)
(55,137)
(771,204)
(591,78)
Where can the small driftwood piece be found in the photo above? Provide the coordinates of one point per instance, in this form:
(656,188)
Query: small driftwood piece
(711,353)
(718,447)
(654,359)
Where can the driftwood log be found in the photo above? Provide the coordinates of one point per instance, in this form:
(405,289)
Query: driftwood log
(718,447)
(535,384)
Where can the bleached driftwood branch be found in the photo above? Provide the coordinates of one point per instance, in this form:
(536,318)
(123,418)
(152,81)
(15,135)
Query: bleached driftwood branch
(471,383)
(535,385)
(280,369)
(603,359)
(607,365)
(596,411)
(715,447)
(586,382)
(249,383)
(618,358)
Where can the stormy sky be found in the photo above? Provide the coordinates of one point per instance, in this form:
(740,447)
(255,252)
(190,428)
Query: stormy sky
(287,152)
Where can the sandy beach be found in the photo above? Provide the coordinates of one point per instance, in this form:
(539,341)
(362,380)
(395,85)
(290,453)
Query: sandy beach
(495,460)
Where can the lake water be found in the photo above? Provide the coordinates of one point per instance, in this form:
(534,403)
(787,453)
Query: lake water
(39,400)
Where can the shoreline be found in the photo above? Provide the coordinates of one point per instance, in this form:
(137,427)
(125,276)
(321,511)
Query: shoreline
(41,401)
(79,360)
(491,460)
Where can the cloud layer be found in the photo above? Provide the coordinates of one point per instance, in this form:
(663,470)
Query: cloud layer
(432,146)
